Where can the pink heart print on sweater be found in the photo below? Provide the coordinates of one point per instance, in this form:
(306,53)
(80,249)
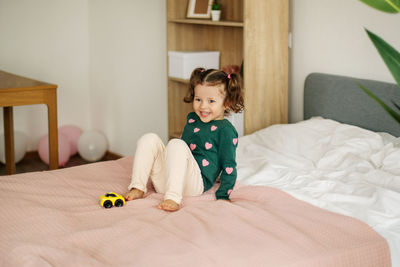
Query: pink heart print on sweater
(192,146)
(229,170)
(205,162)
(208,145)
(191,120)
(196,130)
(234,140)
(213,128)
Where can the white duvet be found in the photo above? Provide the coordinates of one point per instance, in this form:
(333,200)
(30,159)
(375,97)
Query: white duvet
(338,167)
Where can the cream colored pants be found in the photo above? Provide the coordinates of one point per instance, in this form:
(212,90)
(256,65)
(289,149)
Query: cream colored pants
(172,169)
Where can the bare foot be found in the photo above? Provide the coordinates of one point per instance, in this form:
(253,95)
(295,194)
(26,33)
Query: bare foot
(168,205)
(134,194)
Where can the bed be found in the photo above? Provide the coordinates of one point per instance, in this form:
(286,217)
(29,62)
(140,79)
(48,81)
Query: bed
(321,192)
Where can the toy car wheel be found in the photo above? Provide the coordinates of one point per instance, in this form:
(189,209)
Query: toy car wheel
(107,204)
(119,203)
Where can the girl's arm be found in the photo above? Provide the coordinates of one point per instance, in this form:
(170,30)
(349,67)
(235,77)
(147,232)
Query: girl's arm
(185,132)
(227,159)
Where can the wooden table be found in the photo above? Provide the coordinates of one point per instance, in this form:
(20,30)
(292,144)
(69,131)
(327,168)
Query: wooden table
(17,91)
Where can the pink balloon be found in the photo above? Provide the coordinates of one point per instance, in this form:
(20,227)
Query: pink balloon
(72,133)
(64,149)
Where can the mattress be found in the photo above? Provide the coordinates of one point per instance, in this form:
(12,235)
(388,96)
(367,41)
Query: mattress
(53,218)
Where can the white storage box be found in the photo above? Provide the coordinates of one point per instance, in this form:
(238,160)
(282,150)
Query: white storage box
(181,64)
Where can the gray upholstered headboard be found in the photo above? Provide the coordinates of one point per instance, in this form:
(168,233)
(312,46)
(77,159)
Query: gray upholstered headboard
(341,99)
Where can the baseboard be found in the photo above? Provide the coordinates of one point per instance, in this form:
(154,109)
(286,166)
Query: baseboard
(112,156)
(29,155)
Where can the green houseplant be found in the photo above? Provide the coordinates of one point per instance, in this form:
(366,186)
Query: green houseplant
(390,56)
(216,5)
(216,11)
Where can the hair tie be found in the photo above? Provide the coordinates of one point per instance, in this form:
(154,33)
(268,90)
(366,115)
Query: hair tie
(202,70)
(229,76)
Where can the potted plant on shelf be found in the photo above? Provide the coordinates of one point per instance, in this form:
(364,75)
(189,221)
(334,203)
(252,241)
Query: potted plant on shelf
(216,11)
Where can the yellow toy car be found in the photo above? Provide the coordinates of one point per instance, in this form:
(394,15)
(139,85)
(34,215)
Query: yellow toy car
(112,199)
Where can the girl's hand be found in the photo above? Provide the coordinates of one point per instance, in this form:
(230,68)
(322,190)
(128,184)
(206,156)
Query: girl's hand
(227,200)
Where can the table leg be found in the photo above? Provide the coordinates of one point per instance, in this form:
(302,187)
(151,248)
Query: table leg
(53,132)
(9,139)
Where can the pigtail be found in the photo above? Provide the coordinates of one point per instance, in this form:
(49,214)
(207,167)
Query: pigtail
(234,99)
(195,78)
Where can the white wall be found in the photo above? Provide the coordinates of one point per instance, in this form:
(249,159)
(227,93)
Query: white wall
(329,36)
(107,57)
(128,70)
(47,40)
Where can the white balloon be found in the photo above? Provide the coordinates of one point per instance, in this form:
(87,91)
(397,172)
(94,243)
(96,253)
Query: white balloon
(92,145)
(20,146)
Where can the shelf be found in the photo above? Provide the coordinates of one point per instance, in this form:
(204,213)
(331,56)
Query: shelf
(185,81)
(208,22)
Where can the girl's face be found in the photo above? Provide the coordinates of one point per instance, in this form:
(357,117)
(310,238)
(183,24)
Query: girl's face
(208,102)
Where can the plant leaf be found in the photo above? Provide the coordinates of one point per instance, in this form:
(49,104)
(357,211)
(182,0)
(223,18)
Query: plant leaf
(389,55)
(397,106)
(388,109)
(389,6)
(395,4)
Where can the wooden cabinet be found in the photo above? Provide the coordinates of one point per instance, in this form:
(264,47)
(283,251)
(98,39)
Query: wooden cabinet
(252,31)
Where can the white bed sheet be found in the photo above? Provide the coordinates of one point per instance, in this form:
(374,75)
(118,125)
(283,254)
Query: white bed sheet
(335,166)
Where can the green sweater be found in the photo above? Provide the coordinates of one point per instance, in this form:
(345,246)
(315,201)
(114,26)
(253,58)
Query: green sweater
(213,145)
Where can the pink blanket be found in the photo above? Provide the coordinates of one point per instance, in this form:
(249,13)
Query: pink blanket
(53,219)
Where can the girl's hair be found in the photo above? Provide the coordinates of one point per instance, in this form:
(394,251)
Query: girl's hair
(212,77)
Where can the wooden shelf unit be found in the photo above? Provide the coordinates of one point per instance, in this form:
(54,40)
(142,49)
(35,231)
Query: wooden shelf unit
(252,31)
(208,22)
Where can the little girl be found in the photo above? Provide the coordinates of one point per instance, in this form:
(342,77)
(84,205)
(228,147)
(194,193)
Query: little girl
(207,149)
